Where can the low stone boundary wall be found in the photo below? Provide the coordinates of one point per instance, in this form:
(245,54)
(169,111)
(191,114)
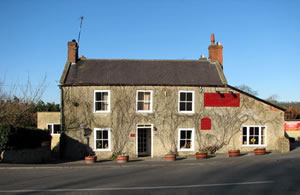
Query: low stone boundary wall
(37,155)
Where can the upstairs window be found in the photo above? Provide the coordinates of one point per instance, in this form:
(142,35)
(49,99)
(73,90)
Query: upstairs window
(144,101)
(54,128)
(254,135)
(186,102)
(102,101)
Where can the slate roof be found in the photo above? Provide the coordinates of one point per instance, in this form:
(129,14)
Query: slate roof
(143,72)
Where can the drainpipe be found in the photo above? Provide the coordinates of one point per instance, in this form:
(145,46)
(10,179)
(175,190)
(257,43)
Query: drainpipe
(62,120)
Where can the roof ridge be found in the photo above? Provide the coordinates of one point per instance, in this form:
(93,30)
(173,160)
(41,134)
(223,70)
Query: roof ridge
(143,59)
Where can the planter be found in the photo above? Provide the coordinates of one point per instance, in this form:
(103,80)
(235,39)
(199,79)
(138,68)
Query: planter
(259,151)
(122,158)
(170,157)
(233,153)
(90,159)
(201,155)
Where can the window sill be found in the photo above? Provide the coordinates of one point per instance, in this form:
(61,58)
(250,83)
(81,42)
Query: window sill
(102,150)
(141,111)
(186,150)
(101,112)
(254,146)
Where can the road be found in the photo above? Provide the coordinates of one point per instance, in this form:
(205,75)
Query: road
(268,174)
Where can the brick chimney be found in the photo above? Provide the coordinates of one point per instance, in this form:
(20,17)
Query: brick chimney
(72,51)
(215,51)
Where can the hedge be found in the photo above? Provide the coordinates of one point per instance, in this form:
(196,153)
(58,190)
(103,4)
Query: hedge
(21,137)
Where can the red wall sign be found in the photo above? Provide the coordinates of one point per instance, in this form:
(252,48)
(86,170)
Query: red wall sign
(221,100)
(205,124)
(292,126)
(132,135)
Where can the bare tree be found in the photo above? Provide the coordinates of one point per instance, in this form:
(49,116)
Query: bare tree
(17,105)
(228,121)
(247,89)
(170,119)
(123,118)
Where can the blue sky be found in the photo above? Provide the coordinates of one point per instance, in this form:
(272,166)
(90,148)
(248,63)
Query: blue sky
(261,38)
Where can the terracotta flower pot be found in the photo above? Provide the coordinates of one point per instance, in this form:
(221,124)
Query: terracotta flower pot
(259,151)
(90,159)
(201,155)
(233,153)
(170,157)
(122,158)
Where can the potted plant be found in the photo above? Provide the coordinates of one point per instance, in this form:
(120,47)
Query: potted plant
(201,154)
(234,153)
(122,158)
(90,159)
(259,151)
(170,156)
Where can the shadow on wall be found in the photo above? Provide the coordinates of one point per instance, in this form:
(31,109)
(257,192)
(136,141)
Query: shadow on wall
(71,149)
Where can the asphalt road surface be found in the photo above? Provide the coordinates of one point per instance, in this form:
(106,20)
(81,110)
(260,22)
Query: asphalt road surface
(268,174)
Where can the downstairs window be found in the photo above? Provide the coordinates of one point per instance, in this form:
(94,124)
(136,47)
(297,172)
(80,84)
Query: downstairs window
(254,135)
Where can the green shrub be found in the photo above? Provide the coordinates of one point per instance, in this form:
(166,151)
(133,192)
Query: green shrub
(5,132)
(21,138)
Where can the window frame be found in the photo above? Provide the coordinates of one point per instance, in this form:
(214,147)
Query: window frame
(151,101)
(192,139)
(259,136)
(108,101)
(95,139)
(193,101)
(52,130)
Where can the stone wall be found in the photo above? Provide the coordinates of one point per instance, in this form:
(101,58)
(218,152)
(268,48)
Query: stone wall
(77,112)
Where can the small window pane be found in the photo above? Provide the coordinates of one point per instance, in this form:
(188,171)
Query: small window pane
(189,106)
(105,96)
(182,106)
(140,95)
(244,140)
(56,129)
(146,106)
(105,144)
(256,130)
(188,134)
(189,97)
(263,131)
(182,143)
(140,105)
(251,131)
(147,96)
(50,127)
(182,96)
(99,144)
(99,135)
(182,135)
(188,144)
(98,96)
(105,134)
(244,130)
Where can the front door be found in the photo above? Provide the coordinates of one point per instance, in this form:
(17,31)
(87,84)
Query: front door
(144,140)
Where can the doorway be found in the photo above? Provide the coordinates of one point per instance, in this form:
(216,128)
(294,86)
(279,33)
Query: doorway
(144,140)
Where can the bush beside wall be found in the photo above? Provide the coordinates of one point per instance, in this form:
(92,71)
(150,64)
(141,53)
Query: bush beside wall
(21,138)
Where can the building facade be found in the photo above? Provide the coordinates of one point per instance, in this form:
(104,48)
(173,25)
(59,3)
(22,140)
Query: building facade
(152,107)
